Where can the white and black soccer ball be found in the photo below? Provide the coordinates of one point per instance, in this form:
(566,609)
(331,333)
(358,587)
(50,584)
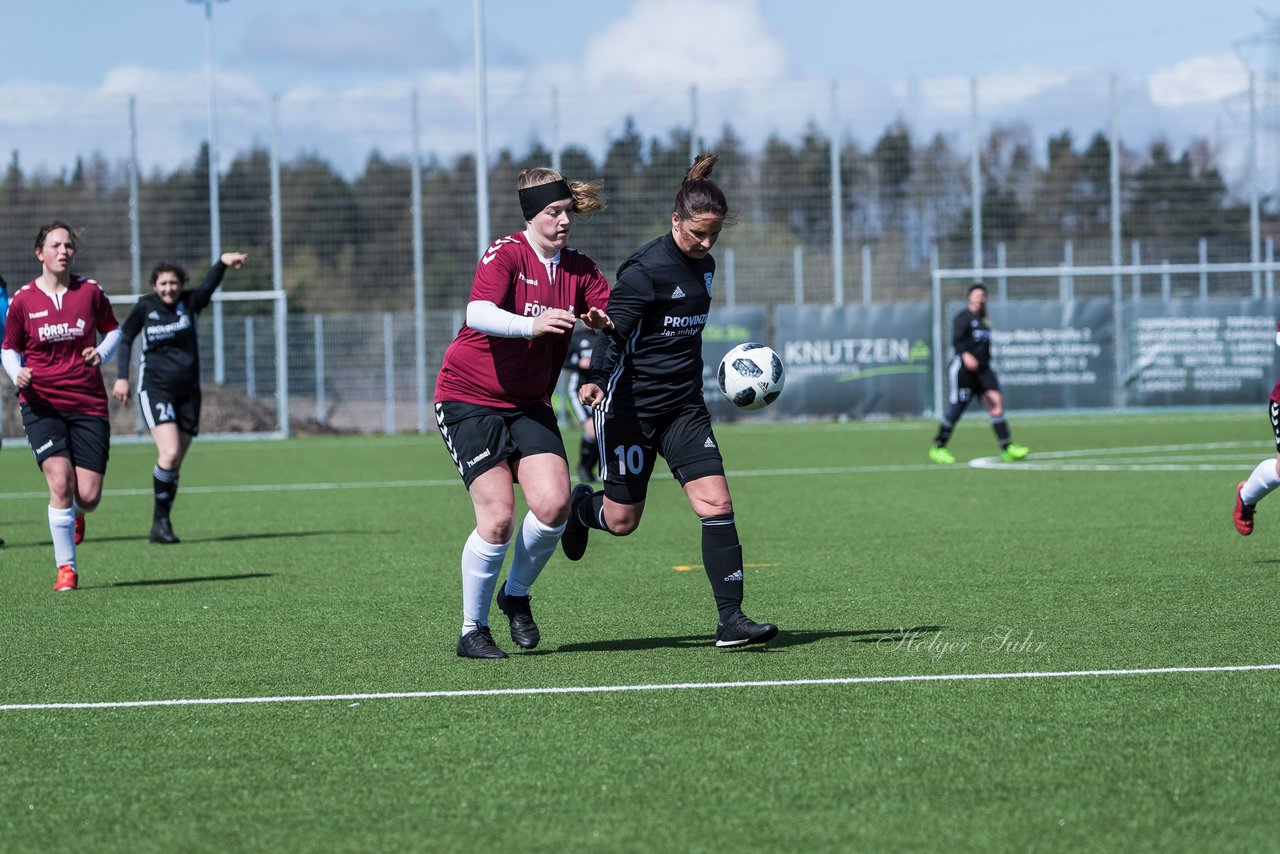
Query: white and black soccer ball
(751,376)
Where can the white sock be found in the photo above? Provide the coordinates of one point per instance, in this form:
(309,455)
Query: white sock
(534,546)
(62,527)
(1260,483)
(481,563)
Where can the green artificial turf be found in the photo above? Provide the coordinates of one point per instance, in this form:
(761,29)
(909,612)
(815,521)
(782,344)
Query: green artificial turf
(328,567)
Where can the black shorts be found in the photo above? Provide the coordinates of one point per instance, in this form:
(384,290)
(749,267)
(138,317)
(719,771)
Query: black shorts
(480,437)
(164,407)
(629,447)
(86,439)
(966,384)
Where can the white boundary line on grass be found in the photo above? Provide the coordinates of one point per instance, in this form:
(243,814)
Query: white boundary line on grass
(1158,458)
(617,689)
(1037,462)
(1043,461)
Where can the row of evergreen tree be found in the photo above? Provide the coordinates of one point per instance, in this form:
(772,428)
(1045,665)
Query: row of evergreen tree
(347,241)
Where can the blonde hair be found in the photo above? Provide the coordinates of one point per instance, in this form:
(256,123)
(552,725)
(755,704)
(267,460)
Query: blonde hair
(586,195)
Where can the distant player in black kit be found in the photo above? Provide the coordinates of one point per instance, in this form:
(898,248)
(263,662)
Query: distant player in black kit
(970,373)
(169,373)
(645,383)
(576,365)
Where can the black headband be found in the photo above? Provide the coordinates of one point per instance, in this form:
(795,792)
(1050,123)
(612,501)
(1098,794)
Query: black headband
(534,199)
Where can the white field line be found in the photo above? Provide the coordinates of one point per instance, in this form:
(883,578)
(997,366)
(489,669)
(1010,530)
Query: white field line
(618,689)
(1069,460)
(414,484)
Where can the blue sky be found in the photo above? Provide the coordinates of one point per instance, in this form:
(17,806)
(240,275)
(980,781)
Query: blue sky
(69,64)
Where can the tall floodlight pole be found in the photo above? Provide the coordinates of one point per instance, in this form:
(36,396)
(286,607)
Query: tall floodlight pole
(1117,291)
(975,175)
(215,221)
(837,212)
(1255,231)
(482,138)
(215,225)
(419,272)
(555,128)
(135,241)
(1113,177)
(693,124)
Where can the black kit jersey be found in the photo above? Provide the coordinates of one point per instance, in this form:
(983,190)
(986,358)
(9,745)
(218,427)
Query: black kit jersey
(581,347)
(970,333)
(170,352)
(650,363)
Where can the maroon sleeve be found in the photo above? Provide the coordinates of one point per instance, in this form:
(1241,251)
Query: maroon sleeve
(106,318)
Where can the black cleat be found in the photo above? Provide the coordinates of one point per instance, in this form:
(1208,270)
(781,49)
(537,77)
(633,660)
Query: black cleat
(574,539)
(162,531)
(742,631)
(478,643)
(524,631)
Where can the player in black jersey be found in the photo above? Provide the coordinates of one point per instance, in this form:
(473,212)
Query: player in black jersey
(576,365)
(169,372)
(970,374)
(645,383)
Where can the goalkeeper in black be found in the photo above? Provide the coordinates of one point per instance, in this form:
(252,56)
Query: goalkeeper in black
(168,372)
(645,385)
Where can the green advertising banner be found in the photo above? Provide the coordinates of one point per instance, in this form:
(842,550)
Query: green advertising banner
(856,361)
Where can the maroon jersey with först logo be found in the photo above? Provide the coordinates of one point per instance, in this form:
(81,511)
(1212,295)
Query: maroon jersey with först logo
(509,372)
(51,333)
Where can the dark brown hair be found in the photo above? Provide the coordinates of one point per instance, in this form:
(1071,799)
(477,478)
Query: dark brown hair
(167,266)
(54,226)
(698,194)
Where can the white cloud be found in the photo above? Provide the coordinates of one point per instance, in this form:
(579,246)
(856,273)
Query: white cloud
(402,40)
(1198,80)
(705,42)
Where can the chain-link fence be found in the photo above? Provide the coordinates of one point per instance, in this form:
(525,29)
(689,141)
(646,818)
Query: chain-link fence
(865,223)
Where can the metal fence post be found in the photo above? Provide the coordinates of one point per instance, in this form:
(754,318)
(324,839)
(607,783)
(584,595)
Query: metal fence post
(322,405)
(389,371)
(797,272)
(250,369)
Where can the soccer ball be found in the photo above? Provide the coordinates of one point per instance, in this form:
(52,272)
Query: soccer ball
(751,376)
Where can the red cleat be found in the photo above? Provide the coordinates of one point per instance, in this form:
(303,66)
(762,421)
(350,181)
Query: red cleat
(79,529)
(66,579)
(1244,513)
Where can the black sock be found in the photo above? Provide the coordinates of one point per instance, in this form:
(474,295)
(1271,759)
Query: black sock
(589,453)
(1002,431)
(165,485)
(722,559)
(948,422)
(589,510)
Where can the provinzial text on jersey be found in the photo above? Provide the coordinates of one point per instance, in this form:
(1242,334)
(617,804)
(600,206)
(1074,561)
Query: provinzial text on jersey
(689,324)
(168,330)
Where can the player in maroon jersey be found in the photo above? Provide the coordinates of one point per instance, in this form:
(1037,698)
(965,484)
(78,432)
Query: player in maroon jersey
(1266,475)
(52,353)
(493,399)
